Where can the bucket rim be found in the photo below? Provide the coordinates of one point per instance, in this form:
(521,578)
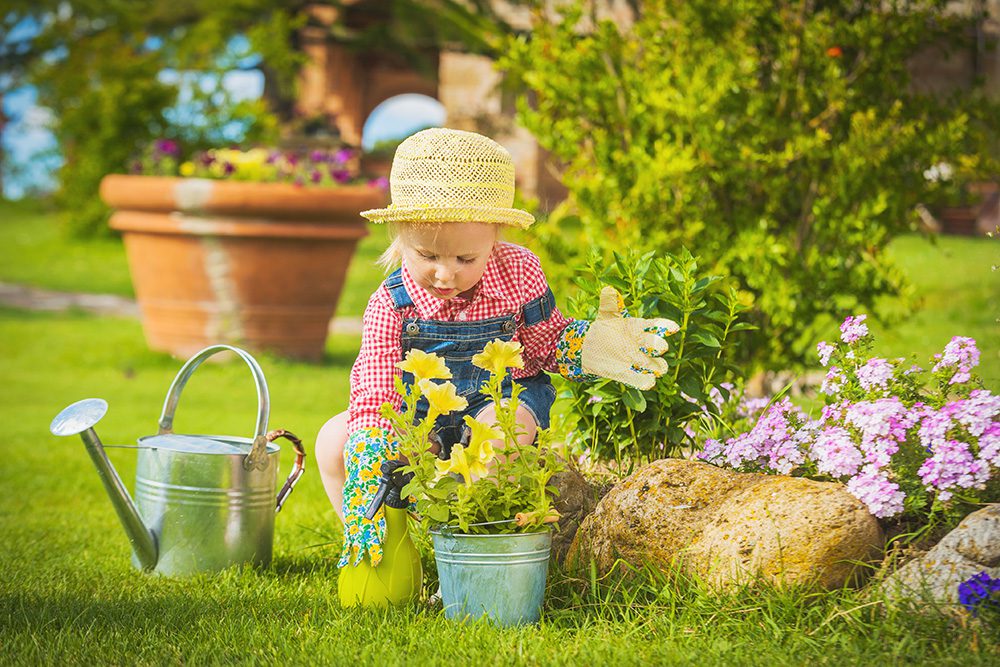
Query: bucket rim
(451,534)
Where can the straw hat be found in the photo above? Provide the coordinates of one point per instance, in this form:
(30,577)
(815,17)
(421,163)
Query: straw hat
(442,175)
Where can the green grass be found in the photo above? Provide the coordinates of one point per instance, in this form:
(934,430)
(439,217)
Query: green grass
(34,250)
(69,595)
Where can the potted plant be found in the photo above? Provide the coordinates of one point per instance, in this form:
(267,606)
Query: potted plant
(245,247)
(964,203)
(488,508)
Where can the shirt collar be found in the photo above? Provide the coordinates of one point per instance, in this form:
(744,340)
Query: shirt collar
(490,286)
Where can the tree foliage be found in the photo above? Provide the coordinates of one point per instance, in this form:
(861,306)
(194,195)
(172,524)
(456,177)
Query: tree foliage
(779,141)
(116,75)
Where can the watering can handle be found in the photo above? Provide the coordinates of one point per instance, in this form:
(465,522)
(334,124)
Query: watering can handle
(257,458)
(297,469)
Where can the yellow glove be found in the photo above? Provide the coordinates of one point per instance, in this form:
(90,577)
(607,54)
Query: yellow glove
(623,348)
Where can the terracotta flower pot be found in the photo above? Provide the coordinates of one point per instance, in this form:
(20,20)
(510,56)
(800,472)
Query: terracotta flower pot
(256,264)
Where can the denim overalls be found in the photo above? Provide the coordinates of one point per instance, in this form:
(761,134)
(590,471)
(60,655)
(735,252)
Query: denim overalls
(457,342)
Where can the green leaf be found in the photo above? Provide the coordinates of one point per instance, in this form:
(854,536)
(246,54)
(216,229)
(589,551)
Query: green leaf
(634,399)
(705,339)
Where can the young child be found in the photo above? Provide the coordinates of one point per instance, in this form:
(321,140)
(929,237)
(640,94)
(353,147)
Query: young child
(460,287)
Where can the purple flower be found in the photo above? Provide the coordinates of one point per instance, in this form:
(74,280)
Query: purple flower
(875,373)
(228,168)
(880,495)
(343,155)
(315,176)
(207,159)
(167,147)
(833,382)
(824,350)
(342,176)
(318,156)
(382,183)
(751,407)
(835,453)
(961,354)
(952,466)
(979,592)
(853,328)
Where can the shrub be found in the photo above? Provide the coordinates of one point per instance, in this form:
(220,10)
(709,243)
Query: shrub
(780,142)
(626,425)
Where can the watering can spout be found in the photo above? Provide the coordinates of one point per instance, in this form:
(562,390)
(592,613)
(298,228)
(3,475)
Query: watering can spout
(79,419)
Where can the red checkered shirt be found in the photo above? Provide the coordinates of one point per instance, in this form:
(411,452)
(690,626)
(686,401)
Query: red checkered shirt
(513,277)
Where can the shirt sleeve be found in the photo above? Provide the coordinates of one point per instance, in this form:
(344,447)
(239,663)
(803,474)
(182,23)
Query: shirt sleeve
(372,376)
(539,340)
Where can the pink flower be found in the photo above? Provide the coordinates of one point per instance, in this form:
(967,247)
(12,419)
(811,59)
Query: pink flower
(875,373)
(961,354)
(833,382)
(835,453)
(881,495)
(824,350)
(853,328)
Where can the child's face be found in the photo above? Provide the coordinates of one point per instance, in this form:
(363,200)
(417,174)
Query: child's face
(447,259)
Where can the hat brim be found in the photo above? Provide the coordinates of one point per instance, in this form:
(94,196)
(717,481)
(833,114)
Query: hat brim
(499,216)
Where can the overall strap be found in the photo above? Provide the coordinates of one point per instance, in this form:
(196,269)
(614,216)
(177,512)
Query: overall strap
(538,310)
(397,291)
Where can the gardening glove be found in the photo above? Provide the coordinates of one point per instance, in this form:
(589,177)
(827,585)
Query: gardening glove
(615,346)
(364,453)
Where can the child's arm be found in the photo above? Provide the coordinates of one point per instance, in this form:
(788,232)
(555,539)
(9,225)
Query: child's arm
(370,441)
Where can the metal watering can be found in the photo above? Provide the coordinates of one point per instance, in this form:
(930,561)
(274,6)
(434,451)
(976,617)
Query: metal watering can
(203,502)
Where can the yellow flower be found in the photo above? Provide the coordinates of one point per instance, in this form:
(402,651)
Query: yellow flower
(498,356)
(461,464)
(480,445)
(424,366)
(442,398)
(186,168)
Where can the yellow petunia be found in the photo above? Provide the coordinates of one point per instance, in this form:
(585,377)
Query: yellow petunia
(498,356)
(187,169)
(461,464)
(480,445)
(424,366)
(442,398)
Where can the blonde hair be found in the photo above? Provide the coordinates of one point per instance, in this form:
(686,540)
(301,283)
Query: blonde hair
(392,256)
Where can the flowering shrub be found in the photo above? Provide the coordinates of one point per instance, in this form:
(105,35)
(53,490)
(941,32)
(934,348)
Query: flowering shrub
(477,489)
(314,167)
(905,448)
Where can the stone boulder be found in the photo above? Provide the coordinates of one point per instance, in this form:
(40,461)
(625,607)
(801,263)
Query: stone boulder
(972,547)
(728,526)
(787,530)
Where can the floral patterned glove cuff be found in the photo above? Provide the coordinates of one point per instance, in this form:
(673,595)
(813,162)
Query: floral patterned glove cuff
(569,351)
(364,453)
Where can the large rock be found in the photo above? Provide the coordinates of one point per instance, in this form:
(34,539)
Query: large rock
(787,530)
(654,514)
(973,547)
(729,526)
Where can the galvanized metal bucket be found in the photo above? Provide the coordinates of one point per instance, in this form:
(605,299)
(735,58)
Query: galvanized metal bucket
(501,577)
(203,502)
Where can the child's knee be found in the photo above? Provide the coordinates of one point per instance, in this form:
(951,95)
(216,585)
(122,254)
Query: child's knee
(330,442)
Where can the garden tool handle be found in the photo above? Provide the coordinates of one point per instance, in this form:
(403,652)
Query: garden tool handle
(390,488)
(257,458)
(297,469)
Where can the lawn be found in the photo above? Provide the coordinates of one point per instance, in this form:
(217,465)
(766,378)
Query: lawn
(69,595)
